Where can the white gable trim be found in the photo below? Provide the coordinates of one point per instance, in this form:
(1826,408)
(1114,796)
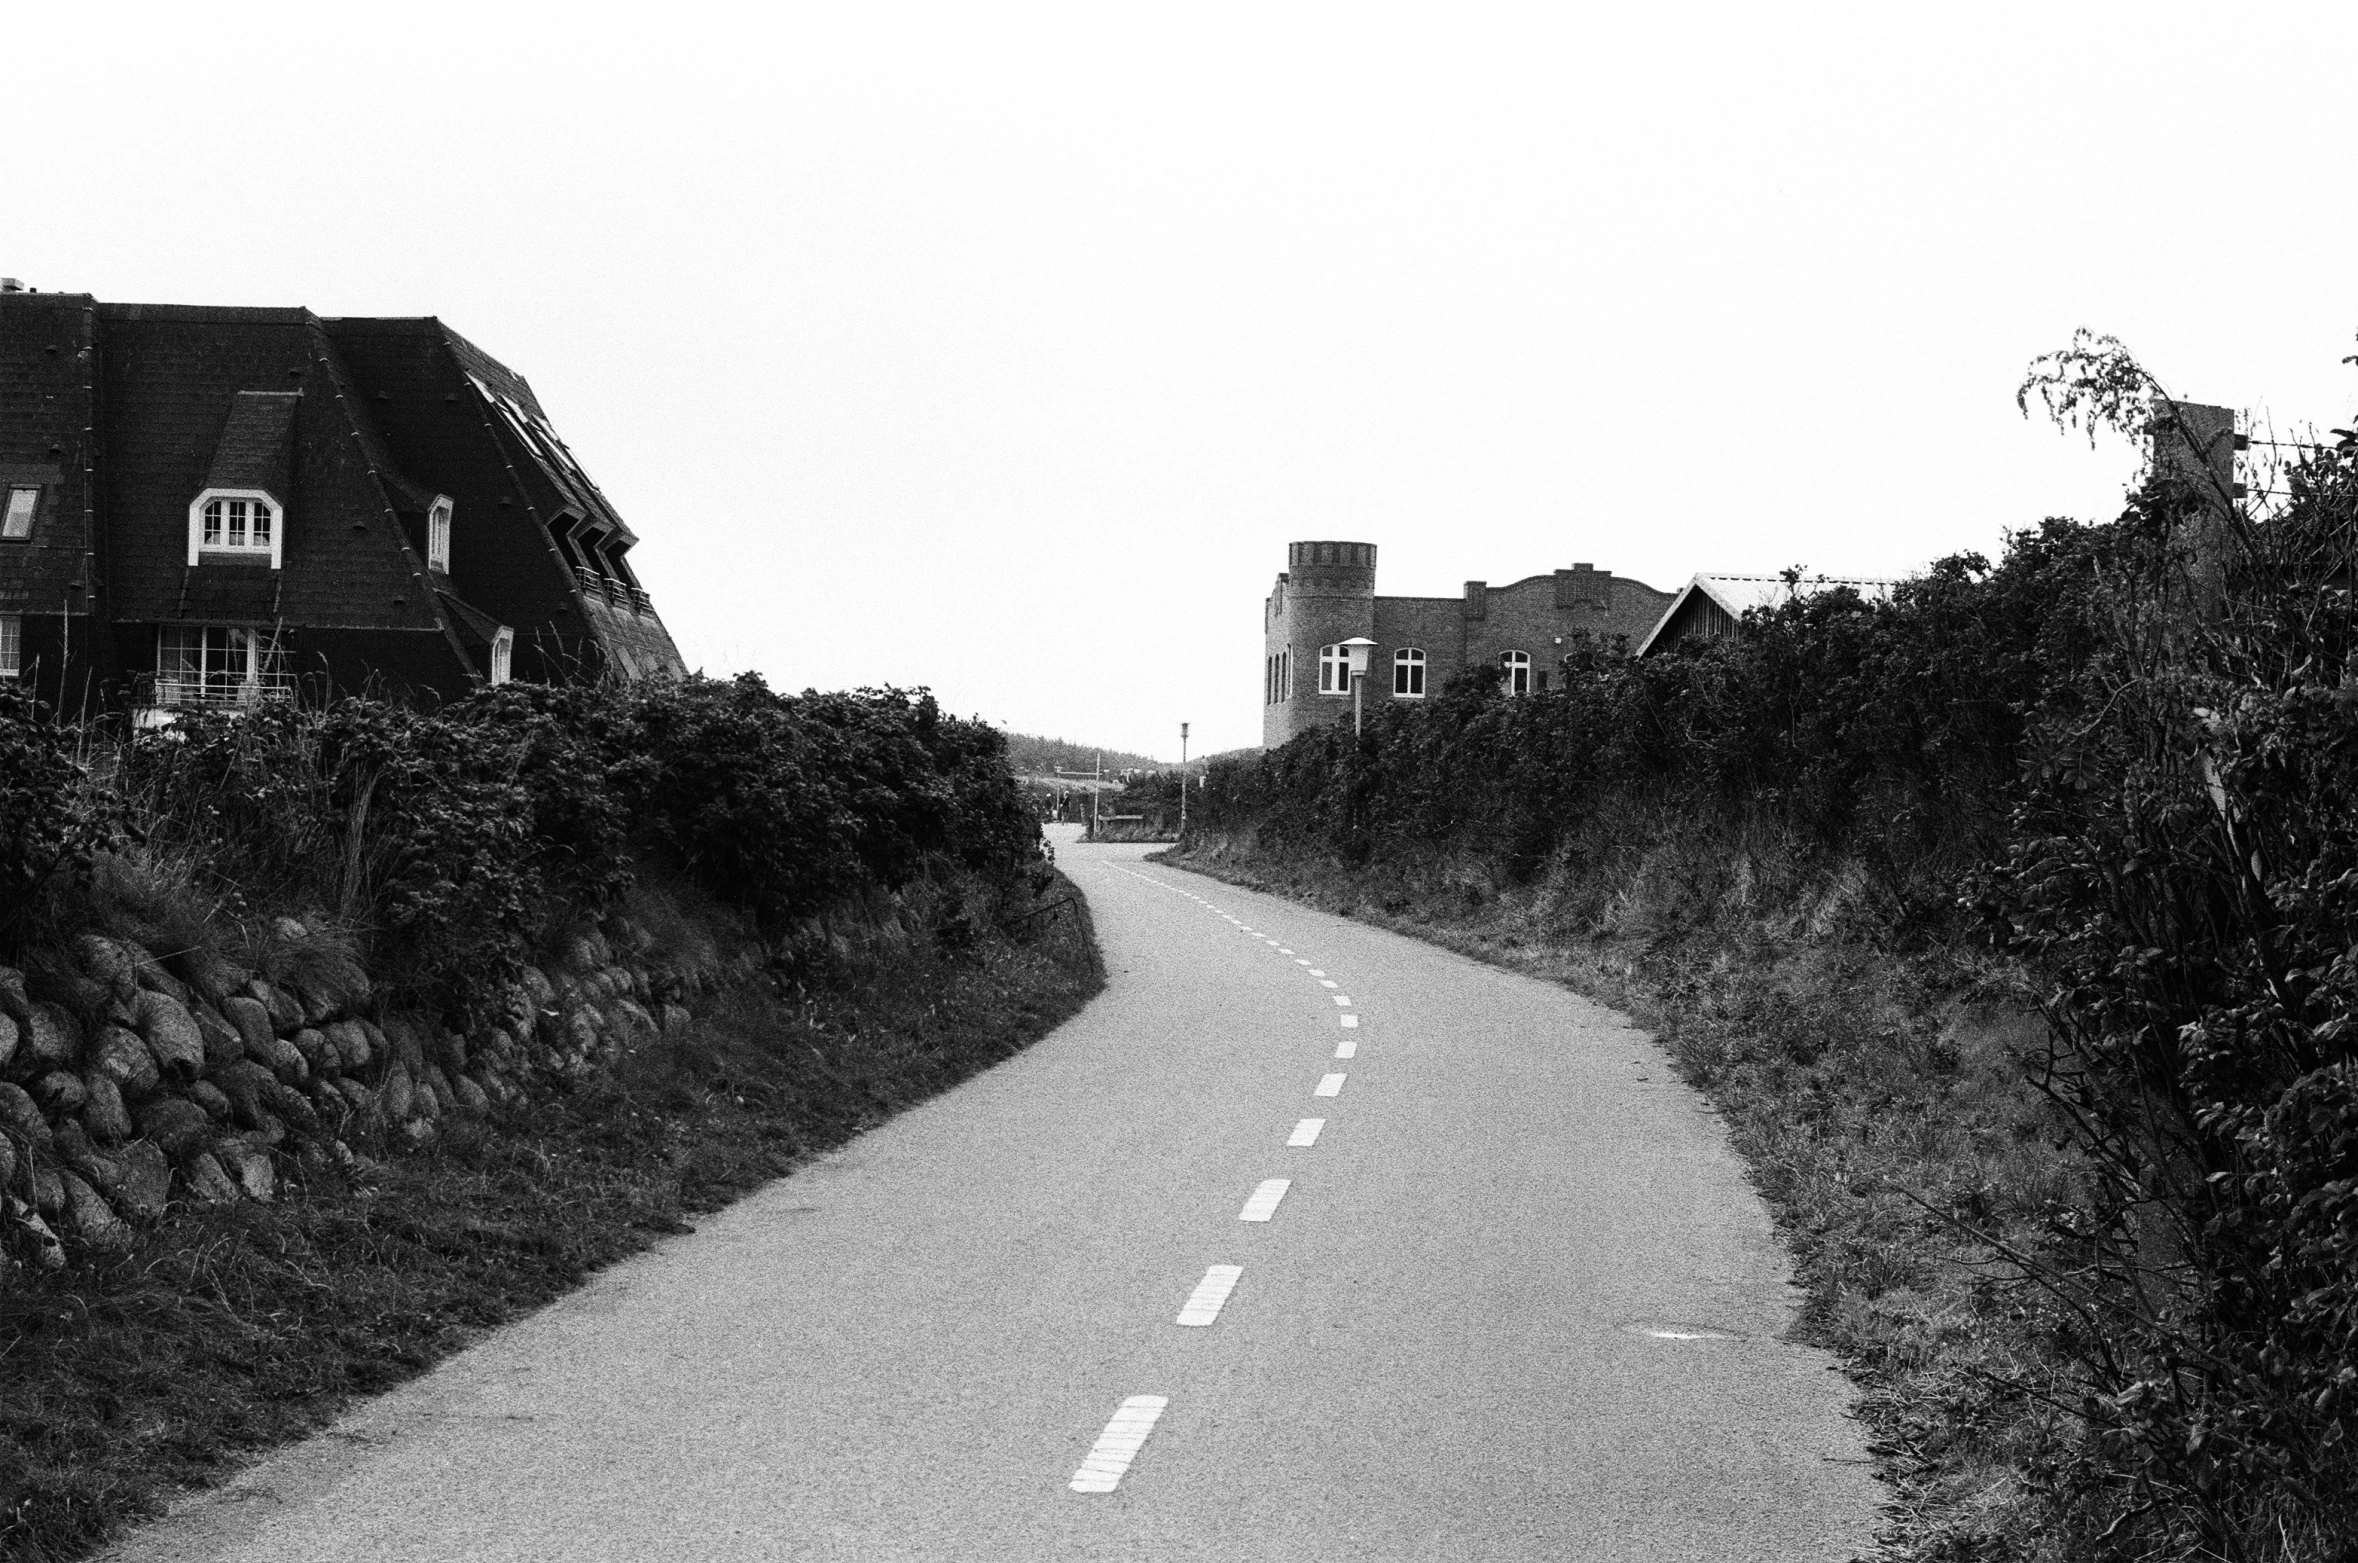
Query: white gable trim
(196,526)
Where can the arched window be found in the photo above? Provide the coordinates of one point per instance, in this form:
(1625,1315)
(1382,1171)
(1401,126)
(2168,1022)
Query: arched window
(1334,670)
(1518,671)
(1408,672)
(235,521)
(438,535)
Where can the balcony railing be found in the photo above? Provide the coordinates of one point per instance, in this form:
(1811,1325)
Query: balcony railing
(173,692)
(606,589)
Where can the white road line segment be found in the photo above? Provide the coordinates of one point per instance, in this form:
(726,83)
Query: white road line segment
(1343,999)
(1108,1461)
(1329,1085)
(1347,1048)
(1263,1204)
(1305,1133)
(1351,1020)
(1328,982)
(1210,1295)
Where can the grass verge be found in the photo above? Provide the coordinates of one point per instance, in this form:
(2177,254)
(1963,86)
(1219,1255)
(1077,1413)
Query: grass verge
(227,1331)
(1883,1103)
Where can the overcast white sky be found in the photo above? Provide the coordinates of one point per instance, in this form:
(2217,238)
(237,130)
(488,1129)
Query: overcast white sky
(1002,348)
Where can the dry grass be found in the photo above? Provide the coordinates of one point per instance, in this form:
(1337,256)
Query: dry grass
(229,1331)
(1880,1099)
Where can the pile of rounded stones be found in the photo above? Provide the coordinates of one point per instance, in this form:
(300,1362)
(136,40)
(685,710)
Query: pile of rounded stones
(132,1081)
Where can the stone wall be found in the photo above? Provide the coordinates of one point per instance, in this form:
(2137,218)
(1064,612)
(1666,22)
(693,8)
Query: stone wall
(134,1078)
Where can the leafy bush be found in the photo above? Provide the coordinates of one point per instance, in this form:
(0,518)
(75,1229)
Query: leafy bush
(457,841)
(50,822)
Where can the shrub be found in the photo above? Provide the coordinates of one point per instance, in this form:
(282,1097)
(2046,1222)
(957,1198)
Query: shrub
(50,822)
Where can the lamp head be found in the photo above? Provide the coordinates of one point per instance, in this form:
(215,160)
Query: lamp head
(1358,646)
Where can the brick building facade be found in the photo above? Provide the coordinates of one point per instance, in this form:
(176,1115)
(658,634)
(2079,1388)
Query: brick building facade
(1326,595)
(205,507)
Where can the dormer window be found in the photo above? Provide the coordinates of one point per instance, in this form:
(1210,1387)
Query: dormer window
(237,523)
(247,523)
(438,535)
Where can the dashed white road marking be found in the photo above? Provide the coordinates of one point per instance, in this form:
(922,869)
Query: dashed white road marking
(1109,1459)
(1329,1085)
(1351,1020)
(1263,1204)
(1282,950)
(1210,1294)
(1314,971)
(1328,982)
(1305,1133)
(1347,1048)
(1298,961)
(1343,999)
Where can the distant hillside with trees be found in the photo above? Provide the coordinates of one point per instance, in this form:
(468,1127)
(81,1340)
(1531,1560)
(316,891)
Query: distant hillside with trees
(1032,756)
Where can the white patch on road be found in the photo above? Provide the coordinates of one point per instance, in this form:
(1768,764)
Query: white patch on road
(1343,999)
(1298,961)
(1328,982)
(1351,1020)
(1329,1085)
(1314,971)
(1305,1133)
(1346,1048)
(1210,1294)
(1282,950)
(1263,1204)
(1109,1459)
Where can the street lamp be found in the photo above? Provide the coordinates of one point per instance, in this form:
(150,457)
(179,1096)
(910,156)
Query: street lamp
(1182,781)
(1358,646)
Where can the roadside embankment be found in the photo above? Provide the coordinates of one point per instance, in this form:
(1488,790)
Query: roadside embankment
(1879,1101)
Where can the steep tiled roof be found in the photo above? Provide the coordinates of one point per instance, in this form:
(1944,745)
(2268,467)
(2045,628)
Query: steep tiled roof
(257,444)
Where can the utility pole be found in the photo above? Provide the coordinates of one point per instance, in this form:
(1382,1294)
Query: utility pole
(1182,781)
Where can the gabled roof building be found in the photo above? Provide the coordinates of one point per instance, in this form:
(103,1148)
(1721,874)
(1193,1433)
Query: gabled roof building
(1709,607)
(213,507)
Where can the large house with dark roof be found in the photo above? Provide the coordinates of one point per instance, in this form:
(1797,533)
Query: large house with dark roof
(205,507)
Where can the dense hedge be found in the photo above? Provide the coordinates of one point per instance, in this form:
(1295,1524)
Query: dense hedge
(456,841)
(1891,728)
(2133,770)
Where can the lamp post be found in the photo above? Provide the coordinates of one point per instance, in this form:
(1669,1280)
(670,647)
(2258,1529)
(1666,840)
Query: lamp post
(1358,646)
(1182,781)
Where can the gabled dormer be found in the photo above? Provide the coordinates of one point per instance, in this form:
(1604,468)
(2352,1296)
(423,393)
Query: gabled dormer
(240,513)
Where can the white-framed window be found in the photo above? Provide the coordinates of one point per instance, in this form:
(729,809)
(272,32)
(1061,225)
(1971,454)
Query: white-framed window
(12,645)
(235,521)
(1518,671)
(1408,673)
(503,654)
(217,665)
(1334,670)
(16,522)
(438,534)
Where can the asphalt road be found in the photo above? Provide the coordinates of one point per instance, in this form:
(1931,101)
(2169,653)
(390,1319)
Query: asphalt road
(1516,1301)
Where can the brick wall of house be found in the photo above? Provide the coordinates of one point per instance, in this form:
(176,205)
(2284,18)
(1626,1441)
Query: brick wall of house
(1537,615)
